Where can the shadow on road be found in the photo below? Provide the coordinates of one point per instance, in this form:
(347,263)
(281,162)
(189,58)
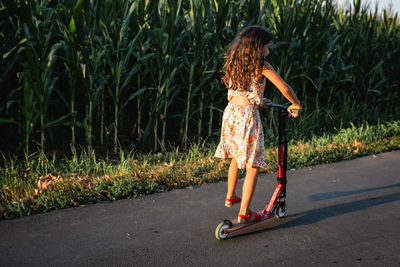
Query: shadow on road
(330,195)
(313,216)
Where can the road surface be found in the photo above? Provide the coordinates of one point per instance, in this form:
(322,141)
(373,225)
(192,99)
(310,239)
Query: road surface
(340,214)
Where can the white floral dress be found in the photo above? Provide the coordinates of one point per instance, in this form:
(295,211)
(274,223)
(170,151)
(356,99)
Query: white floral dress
(242,136)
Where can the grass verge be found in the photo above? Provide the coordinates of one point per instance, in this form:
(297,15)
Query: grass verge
(41,183)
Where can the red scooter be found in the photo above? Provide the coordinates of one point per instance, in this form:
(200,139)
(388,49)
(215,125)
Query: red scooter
(277,205)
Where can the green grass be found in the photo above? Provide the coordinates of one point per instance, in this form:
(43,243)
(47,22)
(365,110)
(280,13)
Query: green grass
(41,183)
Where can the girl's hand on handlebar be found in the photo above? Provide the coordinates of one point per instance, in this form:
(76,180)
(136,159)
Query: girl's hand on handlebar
(264,101)
(294,110)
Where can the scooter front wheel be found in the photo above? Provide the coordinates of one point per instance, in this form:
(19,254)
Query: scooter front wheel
(281,211)
(219,232)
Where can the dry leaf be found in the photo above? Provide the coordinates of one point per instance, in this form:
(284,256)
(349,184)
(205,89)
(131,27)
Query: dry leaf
(44,186)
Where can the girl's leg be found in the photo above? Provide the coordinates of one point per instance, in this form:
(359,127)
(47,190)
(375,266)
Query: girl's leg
(249,186)
(233,175)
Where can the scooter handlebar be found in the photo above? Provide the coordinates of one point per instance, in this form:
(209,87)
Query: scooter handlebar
(277,106)
(281,108)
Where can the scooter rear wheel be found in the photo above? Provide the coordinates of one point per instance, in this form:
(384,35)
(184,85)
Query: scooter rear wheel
(281,211)
(219,232)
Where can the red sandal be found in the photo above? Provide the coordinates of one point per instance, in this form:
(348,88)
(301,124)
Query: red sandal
(230,202)
(247,217)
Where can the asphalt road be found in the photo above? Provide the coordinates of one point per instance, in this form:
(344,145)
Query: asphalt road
(340,214)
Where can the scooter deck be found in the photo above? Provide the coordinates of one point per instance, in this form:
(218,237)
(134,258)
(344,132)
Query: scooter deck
(236,225)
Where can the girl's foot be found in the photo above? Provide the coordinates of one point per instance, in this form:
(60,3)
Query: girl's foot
(249,217)
(229,202)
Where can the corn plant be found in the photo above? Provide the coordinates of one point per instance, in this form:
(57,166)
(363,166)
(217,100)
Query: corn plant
(68,20)
(163,66)
(92,68)
(111,75)
(122,54)
(39,55)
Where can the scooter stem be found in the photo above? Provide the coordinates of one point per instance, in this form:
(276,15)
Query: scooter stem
(282,148)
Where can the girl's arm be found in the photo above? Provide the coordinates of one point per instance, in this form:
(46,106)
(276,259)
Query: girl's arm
(270,73)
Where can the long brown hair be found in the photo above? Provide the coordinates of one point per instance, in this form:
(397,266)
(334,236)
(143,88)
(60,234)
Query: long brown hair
(244,59)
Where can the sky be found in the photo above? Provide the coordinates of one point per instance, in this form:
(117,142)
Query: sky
(381,4)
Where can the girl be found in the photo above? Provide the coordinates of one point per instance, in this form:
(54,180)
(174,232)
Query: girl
(242,137)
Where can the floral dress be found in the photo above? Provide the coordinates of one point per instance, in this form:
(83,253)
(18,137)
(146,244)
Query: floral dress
(242,136)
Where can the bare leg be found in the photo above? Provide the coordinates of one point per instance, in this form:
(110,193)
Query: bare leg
(249,187)
(233,175)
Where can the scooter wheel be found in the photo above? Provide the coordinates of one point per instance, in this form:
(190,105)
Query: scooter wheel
(219,232)
(281,211)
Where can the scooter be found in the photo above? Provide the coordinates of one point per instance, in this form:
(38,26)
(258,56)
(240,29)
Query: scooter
(277,205)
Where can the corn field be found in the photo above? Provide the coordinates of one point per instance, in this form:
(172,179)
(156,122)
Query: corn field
(110,75)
